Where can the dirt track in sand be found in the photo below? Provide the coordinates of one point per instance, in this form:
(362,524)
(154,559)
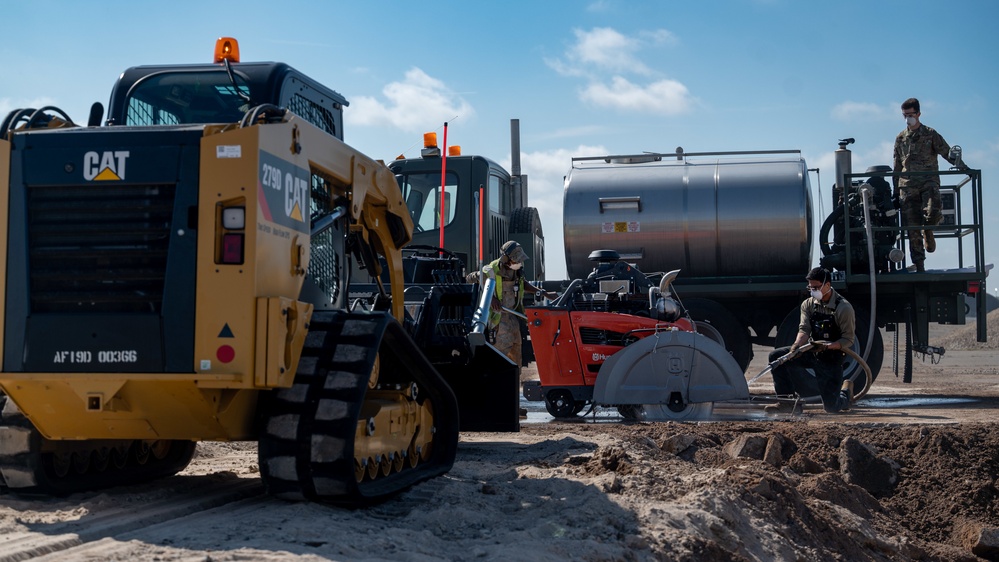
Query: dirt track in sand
(918,481)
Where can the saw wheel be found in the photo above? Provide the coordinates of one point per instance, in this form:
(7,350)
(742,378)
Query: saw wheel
(663,412)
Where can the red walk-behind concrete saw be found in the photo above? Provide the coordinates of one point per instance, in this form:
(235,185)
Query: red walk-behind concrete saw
(617,340)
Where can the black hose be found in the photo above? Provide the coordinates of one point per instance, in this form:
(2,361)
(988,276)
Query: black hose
(907,368)
(40,112)
(10,122)
(250,117)
(827,225)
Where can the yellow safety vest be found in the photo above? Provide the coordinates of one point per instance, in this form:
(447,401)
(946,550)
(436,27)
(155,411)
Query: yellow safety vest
(492,270)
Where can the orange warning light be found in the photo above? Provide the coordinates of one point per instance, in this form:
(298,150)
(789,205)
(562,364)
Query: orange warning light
(226,48)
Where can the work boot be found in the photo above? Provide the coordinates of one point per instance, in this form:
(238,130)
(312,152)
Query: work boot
(784,407)
(920,268)
(848,389)
(846,396)
(929,242)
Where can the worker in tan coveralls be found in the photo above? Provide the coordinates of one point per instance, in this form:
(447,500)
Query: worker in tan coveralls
(916,150)
(509,293)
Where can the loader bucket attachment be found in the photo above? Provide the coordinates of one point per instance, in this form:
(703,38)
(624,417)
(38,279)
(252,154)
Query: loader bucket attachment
(672,367)
(488,391)
(485,382)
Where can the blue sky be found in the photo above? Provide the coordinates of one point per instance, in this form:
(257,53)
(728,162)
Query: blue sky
(584,78)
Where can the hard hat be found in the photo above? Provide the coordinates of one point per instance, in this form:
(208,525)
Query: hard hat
(514,251)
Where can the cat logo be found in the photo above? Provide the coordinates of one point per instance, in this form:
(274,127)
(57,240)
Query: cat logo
(108,165)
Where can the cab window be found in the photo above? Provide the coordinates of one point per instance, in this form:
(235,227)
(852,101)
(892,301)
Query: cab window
(422,193)
(172,98)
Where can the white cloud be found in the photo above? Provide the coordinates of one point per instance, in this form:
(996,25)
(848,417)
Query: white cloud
(600,6)
(605,48)
(665,97)
(602,52)
(601,49)
(862,111)
(546,171)
(417,102)
(660,37)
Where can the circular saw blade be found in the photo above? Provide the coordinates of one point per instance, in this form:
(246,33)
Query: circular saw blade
(662,412)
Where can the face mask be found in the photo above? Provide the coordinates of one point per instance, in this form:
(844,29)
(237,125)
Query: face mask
(816,294)
(516,266)
(910,121)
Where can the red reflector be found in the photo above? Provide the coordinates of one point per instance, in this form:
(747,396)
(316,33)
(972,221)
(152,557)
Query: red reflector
(973,287)
(225,353)
(232,248)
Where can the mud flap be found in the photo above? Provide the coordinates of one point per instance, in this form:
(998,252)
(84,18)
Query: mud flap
(488,391)
(667,367)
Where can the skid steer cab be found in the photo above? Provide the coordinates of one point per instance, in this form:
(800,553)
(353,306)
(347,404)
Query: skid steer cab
(595,347)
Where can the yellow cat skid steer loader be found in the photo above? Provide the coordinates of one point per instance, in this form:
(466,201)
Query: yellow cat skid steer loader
(179,274)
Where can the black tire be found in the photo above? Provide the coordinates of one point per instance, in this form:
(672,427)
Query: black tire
(788,331)
(735,335)
(526,220)
(560,404)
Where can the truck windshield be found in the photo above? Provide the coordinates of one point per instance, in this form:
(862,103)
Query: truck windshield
(172,98)
(422,192)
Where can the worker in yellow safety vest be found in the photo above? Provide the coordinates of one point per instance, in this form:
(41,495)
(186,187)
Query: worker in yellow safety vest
(509,294)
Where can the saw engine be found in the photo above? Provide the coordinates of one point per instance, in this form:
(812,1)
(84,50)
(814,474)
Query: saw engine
(603,343)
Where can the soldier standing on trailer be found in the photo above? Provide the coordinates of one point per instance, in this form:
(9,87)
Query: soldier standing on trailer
(916,150)
(825,316)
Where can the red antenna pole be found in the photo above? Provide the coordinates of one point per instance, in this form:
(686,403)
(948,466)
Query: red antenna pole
(443,185)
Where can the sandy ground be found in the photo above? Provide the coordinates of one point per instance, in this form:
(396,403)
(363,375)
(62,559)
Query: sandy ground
(911,473)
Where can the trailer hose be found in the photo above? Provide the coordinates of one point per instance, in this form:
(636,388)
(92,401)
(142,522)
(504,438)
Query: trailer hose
(865,191)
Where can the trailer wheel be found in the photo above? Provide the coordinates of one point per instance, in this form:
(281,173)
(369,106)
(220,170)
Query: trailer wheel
(708,315)
(788,331)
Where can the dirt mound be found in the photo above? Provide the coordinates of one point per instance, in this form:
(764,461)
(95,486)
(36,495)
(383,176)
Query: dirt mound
(731,491)
(966,337)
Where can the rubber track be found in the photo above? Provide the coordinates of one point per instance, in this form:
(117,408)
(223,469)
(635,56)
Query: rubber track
(27,470)
(306,447)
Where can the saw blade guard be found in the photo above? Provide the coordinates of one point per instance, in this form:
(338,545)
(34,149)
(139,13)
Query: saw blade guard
(672,367)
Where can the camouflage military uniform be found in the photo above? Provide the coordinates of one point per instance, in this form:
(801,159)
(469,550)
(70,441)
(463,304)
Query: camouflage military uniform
(917,151)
